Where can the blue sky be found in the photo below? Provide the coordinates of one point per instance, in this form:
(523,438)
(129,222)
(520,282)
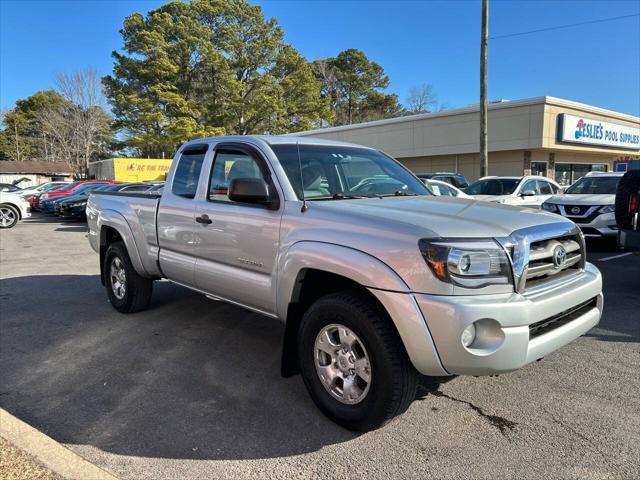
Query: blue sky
(415,41)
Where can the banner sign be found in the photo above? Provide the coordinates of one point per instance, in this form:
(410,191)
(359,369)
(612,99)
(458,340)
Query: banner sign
(140,169)
(583,130)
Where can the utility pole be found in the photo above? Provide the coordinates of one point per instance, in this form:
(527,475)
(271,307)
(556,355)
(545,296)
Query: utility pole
(484,41)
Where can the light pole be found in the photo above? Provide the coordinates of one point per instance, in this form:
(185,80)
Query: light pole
(484,41)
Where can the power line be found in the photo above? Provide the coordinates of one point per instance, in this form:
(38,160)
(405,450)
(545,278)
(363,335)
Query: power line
(565,26)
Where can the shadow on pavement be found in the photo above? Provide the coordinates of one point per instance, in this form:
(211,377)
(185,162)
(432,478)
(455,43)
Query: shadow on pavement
(78,227)
(621,287)
(188,378)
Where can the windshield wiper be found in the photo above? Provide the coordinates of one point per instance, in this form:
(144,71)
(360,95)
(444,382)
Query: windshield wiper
(400,193)
(339,196)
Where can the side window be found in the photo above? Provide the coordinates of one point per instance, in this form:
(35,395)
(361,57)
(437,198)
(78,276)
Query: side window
(554,188)
(545,187)
(227,166)
(185,180)
(530,185)
(460,182)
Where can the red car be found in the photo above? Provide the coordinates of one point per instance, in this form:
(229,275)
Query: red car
(64,191)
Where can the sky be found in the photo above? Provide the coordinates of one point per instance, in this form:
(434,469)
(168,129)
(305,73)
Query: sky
(416,42)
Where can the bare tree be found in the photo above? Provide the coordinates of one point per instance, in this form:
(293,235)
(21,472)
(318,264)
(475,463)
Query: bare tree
(422,99)
(76,129)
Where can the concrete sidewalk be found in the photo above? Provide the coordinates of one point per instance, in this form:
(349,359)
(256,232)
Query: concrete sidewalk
(47,451)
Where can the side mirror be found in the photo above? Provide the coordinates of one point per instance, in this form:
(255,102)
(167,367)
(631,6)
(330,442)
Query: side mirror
(528,193)
(248,190)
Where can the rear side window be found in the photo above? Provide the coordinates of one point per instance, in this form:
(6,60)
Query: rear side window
(185,180)
(459,181)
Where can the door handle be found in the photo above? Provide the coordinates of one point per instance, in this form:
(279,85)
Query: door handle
(204,219)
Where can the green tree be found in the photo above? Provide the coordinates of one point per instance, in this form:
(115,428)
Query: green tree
(354,87)
(208,67)
(22,137)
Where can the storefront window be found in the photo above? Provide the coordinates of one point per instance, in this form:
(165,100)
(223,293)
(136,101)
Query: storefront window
(567,173)
(539,168)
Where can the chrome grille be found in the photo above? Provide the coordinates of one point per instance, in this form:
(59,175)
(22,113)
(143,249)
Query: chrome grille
(533,248)
(552,259)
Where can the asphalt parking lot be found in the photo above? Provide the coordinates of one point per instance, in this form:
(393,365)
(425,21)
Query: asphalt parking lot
(191,387)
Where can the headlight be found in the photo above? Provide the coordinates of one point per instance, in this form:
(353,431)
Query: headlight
(470,264)
(78,204)
(608,209)
(550,207)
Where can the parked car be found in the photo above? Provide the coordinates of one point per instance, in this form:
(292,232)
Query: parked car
(48,200)
(380,285)
(456,179)
(35,199)
(75,205)
(590,203)
(443,188)
(8,187)
(12,209)
(55,192)
(29,192)
(529,191)
(627,210)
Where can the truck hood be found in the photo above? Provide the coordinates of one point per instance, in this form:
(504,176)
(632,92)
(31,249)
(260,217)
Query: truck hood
(492,198)
(438,216)
(591,199)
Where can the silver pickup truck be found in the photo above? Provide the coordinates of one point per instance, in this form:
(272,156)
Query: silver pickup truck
(383,287)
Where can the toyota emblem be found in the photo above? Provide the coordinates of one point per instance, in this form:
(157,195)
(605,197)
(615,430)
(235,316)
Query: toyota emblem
(575,210)
(559,256)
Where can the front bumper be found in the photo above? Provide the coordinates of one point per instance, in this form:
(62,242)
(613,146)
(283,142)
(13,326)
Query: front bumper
(602,225)
(72,212)
(503,340)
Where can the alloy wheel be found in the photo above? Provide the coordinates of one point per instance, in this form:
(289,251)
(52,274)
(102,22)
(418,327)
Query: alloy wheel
(7,217)
(118,278)
(342,364)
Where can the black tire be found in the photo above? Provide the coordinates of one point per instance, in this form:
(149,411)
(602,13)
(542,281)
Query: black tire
(393,378)
(628,185)
(137,294)
(6,208)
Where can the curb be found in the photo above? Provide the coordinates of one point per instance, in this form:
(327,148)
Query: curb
(50,453)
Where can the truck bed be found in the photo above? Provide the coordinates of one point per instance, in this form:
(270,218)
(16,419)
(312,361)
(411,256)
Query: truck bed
(133,212)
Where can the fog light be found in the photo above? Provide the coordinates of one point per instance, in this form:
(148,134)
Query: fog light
(468,335)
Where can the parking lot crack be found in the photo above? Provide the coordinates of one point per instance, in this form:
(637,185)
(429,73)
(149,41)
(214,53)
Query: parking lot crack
(498,422)
(583,437)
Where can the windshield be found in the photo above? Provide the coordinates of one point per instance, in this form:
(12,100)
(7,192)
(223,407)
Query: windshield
(493,186)
(336,172)
(594,185)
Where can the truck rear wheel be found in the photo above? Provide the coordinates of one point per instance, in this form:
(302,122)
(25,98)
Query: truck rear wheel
(629,184)
(353,362)
(128,292)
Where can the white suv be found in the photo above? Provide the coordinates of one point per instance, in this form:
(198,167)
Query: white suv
(589,203)
(530,191)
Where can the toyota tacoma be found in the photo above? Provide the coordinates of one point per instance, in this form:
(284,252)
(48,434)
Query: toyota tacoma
(383,287)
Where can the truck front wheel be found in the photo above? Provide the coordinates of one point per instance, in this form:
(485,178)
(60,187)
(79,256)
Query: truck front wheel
(128,292)
(353,362)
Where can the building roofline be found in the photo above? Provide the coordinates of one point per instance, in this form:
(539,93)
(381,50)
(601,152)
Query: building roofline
(476,108)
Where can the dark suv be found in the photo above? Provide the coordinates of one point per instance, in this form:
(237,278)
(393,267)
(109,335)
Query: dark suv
(455,179)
